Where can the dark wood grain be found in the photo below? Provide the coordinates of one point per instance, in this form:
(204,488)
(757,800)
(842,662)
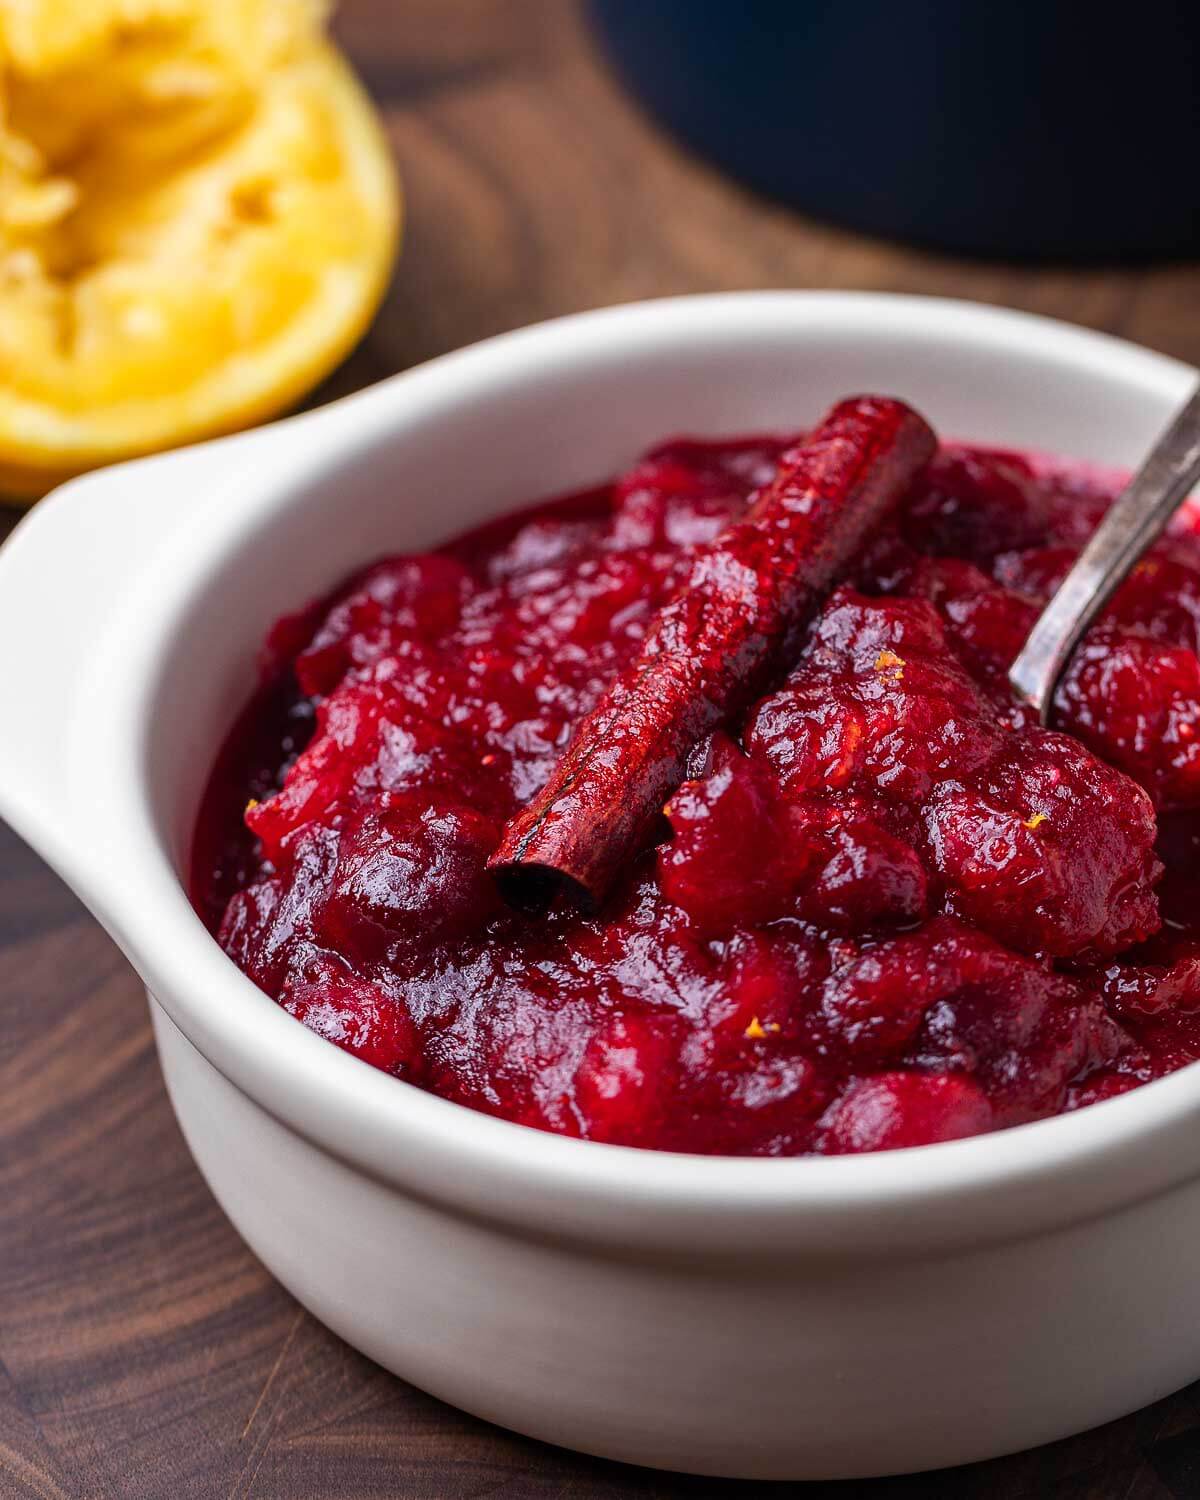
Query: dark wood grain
(143,1351)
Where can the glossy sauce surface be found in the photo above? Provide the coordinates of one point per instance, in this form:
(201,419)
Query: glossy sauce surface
(886,909)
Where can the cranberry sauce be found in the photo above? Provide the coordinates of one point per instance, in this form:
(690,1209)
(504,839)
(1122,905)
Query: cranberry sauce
(886,908)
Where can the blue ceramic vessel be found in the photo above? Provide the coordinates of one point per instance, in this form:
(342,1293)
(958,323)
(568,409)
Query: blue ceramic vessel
(1054,130)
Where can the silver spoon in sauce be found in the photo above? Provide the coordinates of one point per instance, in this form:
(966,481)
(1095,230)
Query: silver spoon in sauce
(1135,521)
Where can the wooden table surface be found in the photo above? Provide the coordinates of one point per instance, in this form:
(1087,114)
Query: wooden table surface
(144,1352)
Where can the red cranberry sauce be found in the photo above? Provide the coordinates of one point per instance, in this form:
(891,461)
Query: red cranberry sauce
(887,909)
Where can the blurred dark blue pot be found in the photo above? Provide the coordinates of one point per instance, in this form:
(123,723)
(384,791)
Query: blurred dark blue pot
(1056,130)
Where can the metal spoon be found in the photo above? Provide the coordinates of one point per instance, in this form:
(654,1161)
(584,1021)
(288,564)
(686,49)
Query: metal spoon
(1137,519)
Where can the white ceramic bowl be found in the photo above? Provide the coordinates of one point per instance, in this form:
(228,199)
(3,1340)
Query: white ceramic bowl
(793,1318)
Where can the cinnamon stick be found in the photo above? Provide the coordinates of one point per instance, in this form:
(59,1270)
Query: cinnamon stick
(710,651)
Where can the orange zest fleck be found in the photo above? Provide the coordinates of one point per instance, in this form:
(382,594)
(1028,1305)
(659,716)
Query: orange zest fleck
(252,804)
(756,1031)
(889,661)
(1035,822)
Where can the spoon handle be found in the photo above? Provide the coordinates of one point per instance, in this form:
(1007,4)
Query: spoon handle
(1136,520)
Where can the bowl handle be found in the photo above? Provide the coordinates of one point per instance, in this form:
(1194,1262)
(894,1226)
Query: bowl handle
(61,572)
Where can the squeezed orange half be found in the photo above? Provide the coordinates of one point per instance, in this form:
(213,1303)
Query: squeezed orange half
(198,216)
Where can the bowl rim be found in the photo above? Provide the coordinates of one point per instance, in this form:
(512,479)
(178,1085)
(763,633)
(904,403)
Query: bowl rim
(1012,1182)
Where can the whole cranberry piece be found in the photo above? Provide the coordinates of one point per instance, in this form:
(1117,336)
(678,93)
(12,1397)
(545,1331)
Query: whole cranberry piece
(767,978)
(813,736)
(1035,572)
(1137,992)
(739,854)
(361,1017)
(986,624)
(768,1105)
(1050,850)
(892,1110)
(385,603)
(1137,702)
(869,879)
(246,926)
(386,729)
(405,872)
(624,1077)
(269,926)
(1161,596)
(924,718)
(875,997)
(684,493)
(1022,1031)
(974,503)
(948,998)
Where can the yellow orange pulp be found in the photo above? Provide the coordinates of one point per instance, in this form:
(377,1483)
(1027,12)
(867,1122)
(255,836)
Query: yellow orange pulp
(198,215)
